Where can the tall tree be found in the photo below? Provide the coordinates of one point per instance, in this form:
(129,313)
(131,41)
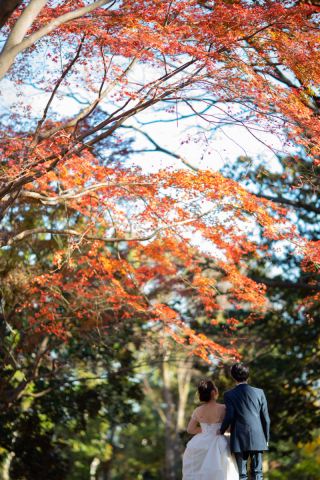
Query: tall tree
(127,234)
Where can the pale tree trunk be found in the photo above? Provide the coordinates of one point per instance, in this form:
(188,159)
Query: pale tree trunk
(6,466)
(169,421)
(183,372)
(184,379)
(180,372)
(94,467)
(265,466)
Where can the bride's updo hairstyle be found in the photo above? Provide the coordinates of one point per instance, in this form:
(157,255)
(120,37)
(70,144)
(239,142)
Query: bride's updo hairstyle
(205,388)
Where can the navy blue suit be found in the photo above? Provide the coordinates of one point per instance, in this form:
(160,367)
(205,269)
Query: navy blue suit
(247,413)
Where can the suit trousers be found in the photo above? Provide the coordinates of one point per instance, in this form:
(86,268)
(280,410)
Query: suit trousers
(255,465)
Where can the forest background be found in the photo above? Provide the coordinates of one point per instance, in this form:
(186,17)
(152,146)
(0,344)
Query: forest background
(160,209)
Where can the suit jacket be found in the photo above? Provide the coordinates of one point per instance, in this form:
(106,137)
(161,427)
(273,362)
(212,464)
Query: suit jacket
(247,413)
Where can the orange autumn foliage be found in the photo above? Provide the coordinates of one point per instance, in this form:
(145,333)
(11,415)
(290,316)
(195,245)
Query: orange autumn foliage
(233,53)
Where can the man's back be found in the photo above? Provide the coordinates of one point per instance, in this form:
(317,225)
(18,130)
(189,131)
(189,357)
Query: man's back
(247,413)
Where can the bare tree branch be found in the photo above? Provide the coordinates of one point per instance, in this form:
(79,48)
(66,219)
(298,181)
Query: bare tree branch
(158,148)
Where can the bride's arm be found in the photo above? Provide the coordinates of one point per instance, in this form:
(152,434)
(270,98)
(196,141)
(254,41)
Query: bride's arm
(223,415)
(192,427)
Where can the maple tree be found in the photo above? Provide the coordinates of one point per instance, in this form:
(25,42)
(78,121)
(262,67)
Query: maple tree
(124,233)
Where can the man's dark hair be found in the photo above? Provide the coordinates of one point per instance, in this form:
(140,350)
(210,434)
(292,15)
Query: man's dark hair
(240,372)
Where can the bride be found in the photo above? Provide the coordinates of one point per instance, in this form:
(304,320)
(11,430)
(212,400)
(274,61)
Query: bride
(208,456)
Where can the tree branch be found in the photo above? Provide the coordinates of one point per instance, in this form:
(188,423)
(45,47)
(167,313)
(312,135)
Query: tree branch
(75,193)
(15,43)
(27,233)
(23,23)
(295,285)
(280,340)
(285,201)
(90,107)
(151,395)
(64,74)
(158,148)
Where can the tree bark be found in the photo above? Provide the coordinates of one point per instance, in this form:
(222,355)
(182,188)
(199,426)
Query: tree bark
(94,467)
(184,379)
(17,42)
(169,421)
(6,466)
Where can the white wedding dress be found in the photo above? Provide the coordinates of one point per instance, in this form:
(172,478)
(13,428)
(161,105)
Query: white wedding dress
(208,456)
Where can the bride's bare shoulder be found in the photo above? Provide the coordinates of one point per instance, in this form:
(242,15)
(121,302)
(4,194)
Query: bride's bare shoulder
(196,410)
(200,407)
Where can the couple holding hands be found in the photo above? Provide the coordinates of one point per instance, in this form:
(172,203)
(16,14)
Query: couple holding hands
(228,434)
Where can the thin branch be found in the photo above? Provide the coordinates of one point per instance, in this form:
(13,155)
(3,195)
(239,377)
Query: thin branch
(27,233)
(158,148)
(120,119)
(293,203)
(75,193)
(9,202)
(167,16)
(280,340)
(90,107)
(295,285)
(64,74)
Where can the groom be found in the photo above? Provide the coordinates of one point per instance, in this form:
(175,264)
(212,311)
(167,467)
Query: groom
(247,413)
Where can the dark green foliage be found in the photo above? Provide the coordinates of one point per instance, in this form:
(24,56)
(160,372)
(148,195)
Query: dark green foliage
(36,432)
